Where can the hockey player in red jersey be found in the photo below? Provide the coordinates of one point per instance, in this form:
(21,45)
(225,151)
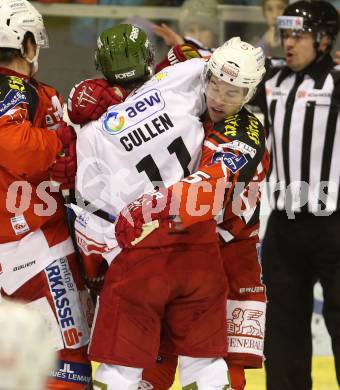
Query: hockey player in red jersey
(238,229)
(37,260)
(250,236)
(239,134)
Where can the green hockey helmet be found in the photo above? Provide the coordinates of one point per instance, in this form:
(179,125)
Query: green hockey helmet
(124,54)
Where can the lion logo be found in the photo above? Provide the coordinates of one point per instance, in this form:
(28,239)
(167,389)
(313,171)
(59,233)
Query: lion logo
(245,322)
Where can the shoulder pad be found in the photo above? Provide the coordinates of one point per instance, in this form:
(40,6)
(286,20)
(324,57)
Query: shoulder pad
(15,91)
(243,126)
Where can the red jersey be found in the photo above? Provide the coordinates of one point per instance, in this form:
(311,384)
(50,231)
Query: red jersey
(29,114)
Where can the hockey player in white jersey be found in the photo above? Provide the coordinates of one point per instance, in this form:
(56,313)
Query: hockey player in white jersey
(131,136)
(143,143)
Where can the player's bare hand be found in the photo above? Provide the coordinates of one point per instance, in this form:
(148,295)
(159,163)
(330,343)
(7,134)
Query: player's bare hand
(169,36)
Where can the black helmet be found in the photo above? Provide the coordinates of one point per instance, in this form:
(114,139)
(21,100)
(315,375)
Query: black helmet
(318,17)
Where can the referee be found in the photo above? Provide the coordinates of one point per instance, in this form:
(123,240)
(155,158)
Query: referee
(301,100)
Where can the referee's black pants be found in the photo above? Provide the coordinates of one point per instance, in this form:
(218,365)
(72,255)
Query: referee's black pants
(295,254)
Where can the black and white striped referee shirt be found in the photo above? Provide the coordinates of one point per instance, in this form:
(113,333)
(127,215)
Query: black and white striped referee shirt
(302,117)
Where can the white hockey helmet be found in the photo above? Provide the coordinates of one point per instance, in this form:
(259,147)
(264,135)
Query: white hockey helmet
(17,17)
(27,355)
(238,63)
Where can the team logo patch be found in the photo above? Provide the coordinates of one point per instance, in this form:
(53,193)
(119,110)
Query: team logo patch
(246,322)
(160,76)
(13,98)
(16,83)
(72,372)
(19,224)
(232,161)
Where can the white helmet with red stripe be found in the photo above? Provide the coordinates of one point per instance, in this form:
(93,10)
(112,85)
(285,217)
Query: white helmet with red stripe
(238,63)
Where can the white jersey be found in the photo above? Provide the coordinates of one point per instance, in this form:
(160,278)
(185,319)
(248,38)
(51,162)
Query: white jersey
(153,138)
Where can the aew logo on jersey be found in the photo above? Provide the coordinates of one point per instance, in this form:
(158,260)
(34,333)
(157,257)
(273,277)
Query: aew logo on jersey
(140,108)
(114,122)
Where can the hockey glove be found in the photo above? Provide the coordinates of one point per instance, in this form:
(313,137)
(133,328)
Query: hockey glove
(179,53)
(64,169)
(90,98)
(66,134)
(149,207)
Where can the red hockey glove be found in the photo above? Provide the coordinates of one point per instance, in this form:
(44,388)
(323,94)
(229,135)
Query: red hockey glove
(149,207)
(179,53)
(90,98)
(66,134)
(64,170)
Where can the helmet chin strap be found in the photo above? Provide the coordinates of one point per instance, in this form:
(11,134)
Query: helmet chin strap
(33,62)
